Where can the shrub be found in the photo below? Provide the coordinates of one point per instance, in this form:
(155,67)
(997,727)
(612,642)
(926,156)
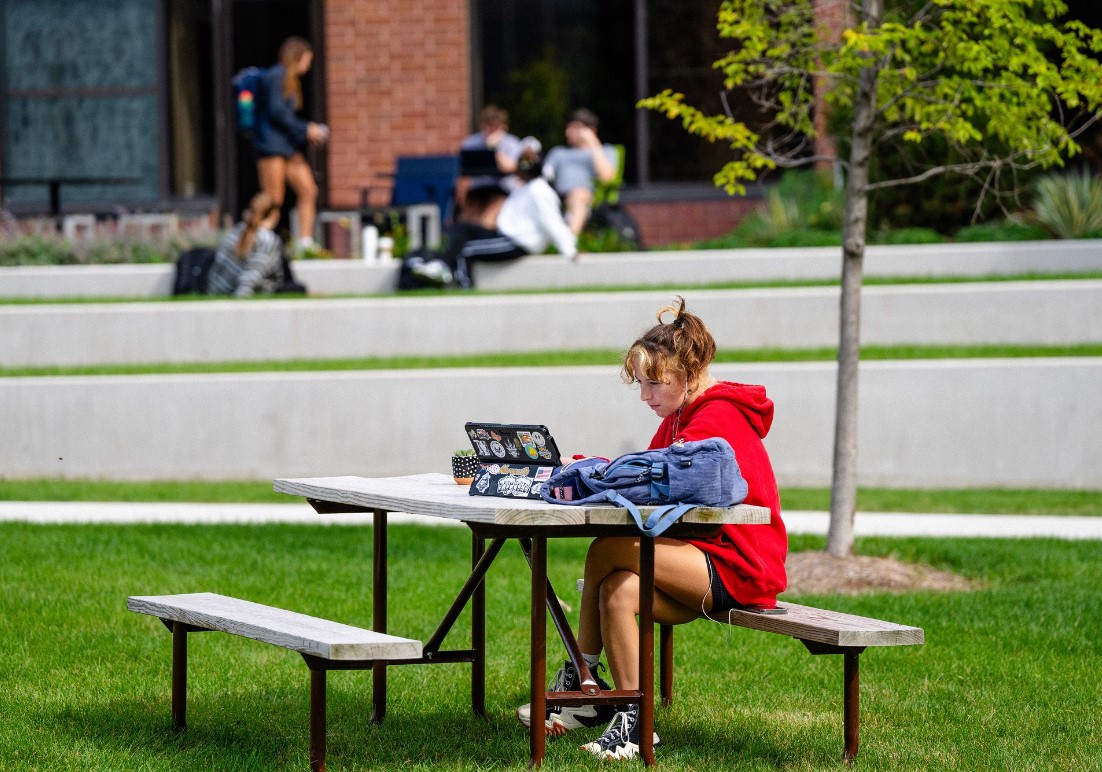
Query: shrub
(1000,231)
(1070,205)
(802,210)
(54,250)
(909,236)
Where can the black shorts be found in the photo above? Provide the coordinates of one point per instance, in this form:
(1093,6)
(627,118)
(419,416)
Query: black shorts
(721,599)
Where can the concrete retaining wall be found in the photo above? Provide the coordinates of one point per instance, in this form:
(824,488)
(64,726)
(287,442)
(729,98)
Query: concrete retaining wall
(950,423)
(354,277)
(1056,312)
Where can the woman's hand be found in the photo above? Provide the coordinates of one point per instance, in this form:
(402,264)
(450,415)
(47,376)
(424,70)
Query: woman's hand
(317,133)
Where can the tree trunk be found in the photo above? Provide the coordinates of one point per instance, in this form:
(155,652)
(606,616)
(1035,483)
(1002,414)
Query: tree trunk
(843,490)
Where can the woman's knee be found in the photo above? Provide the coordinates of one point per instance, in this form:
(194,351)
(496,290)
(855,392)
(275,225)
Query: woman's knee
(608,553)
(620,594)
(301,179)
(306,189)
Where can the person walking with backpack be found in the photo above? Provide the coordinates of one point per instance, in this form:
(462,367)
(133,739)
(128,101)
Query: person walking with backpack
(282,137)
(741,566)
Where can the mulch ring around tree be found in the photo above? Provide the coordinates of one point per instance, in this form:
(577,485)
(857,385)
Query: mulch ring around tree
(820,573)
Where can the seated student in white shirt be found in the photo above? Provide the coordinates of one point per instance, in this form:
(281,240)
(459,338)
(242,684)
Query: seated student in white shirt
(530,220)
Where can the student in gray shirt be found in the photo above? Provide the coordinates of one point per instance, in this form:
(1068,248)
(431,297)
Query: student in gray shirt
(249,256)
(575,168)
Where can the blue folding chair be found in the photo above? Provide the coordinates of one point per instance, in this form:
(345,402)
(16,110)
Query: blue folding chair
(419,180)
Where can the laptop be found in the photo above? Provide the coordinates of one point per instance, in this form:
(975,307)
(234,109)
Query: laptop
(514,459)
(478,163)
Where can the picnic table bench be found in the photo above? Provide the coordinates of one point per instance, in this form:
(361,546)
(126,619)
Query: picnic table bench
(821,631)
(325,645)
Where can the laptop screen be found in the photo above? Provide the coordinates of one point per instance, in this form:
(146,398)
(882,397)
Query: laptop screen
(513,443)
(514,459)
(478,163)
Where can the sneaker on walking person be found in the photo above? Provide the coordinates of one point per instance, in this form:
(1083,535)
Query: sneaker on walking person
(621,738)
(560,719)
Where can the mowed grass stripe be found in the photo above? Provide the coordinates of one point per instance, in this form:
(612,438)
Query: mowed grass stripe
(978,500)
(608,357)
(590,289)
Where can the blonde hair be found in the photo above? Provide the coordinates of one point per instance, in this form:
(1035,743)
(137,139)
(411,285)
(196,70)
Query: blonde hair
(290,54)
(260,208)
(682,346)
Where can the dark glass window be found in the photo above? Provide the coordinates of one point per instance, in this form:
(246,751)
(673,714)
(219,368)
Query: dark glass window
(540,59)
(80,97)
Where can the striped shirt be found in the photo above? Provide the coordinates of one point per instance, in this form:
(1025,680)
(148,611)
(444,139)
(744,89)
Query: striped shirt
(260,270)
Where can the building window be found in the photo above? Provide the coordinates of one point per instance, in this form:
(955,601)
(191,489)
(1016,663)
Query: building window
(540,59)
(81,98)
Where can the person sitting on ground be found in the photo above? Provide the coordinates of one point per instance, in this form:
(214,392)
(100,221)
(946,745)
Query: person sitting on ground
(249,257)
(530,220)
(575,168)
(741,566)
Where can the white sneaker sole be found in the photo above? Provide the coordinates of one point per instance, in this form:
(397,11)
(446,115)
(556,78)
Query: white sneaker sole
(557,725)
(622,753)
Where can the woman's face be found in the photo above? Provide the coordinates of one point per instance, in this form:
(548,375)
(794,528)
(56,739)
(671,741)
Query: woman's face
(663,398)
(305,61)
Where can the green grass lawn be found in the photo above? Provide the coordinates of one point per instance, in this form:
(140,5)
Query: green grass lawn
(607,357)
(680,287)
(1006,680)
(1003,501)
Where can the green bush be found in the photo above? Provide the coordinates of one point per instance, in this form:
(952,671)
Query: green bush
(909,236)
(806,237)
(54,250)
(1000,231)
(801,210)
(1070,205)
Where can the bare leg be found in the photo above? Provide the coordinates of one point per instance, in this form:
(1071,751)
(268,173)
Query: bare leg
(271,171)
(610,598)
(301,179)
(578,202)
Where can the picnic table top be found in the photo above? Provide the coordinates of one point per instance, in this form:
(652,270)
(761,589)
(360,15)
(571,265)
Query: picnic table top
(438,495)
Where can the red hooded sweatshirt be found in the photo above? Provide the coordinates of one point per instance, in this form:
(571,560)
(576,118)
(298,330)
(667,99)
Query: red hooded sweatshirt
(748,558)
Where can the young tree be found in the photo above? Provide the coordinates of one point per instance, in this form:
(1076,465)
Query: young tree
(1004,84)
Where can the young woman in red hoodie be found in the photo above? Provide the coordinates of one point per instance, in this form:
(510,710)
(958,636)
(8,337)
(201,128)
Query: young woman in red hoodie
(742,565)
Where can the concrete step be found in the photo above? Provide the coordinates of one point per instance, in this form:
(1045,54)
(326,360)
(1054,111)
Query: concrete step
(640,269)
(1036,312)
(934,423)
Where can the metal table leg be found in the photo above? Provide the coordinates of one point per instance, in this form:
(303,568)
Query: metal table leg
(478,633)
(646,649)
(538,684)
(378,619)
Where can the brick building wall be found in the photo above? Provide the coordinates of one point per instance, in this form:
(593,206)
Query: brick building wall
(670,223)
(397,83)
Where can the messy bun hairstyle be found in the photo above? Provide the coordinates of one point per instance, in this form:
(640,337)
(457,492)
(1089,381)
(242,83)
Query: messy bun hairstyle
(681,345)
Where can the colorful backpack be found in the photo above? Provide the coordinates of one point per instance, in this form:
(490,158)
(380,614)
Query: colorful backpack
(248,94)
(677,478)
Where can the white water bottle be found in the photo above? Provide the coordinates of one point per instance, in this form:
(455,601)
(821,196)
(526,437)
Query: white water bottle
(386,249)
(369,243)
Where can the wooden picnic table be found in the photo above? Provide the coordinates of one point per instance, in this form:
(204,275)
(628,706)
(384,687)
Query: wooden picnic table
(531,522)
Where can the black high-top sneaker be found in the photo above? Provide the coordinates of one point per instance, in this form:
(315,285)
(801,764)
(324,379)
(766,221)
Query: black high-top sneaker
(621,738)
(560,719)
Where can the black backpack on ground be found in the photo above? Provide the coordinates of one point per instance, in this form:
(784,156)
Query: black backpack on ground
(192,268)
(424,269)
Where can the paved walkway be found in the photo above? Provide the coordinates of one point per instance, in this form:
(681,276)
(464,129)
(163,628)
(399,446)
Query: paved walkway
(798,522)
